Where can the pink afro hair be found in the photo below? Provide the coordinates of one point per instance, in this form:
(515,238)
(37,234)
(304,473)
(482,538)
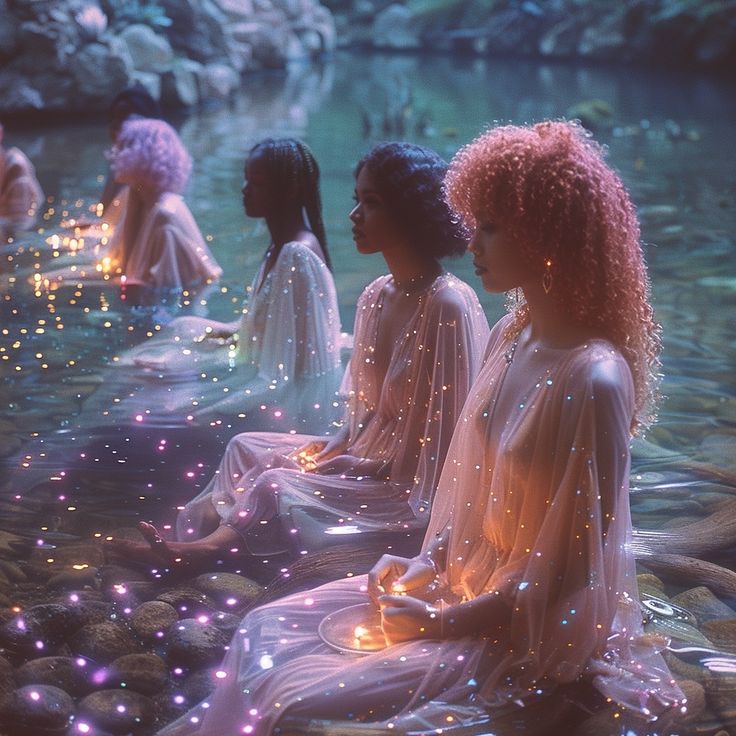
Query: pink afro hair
(149,151)
(549,186)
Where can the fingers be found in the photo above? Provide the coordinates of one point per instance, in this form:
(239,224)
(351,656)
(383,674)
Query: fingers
(383,574)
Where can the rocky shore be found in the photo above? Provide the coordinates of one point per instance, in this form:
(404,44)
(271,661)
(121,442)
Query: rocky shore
(90,645)
(673,33)
(74,56)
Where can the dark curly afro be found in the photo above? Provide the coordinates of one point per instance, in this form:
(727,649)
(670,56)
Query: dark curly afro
(410,180)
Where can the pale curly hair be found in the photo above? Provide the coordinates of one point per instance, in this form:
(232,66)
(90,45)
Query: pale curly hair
(151,152)
(549,187)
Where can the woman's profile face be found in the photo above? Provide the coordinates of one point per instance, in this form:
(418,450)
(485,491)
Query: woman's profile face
(374,231)
(258,195)
(498,258)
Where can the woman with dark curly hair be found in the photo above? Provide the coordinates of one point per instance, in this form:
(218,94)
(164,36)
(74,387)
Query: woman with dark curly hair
(524,594)
(419,335)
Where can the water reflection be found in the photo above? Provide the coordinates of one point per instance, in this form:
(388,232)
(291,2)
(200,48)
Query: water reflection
(54,344)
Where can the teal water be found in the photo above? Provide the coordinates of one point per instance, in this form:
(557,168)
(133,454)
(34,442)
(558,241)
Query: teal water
(671,138)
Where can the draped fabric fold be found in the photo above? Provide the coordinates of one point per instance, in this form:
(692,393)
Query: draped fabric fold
(400,420)
(536,512)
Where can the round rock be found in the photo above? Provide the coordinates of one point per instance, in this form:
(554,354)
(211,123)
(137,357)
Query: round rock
(104,642)
(117,711)
(36,709)
(144,673)
(194,643)
(152,619)
(228,589)
(69,674)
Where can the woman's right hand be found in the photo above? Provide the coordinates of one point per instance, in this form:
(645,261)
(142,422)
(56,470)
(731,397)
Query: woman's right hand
(402,575)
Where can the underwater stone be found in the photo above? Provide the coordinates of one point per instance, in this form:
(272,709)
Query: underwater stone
(722,632)
(7,678)
(695,694)
(37,709)
(188,599)
(650,585)
(104,642)
(67,673)
(153,617)
(118,711)
(194,643)
(703,604)
(37,628)
(228,588)
(144,673)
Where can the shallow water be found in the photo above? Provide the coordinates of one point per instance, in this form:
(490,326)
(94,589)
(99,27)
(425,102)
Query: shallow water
(671,140)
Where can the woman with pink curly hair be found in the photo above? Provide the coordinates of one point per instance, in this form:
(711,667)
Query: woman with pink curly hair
(158,244)
(523,599)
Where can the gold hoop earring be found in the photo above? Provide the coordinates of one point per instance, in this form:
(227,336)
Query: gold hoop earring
(547,275)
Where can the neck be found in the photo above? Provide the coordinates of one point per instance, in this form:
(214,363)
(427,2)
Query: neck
(550,325)
(409,271)
(287,226)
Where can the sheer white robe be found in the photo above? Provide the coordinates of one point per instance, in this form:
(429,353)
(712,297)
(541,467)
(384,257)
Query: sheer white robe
(284,375)
(400,425)
(536,505)
(20,193)
(281,370)
(168,251)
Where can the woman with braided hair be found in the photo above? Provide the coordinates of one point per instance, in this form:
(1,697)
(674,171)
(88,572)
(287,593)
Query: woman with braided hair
(268,369)
(419,335)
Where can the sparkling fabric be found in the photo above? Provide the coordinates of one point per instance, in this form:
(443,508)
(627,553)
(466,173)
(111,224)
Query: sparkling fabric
(20,193)
(400,421)
(281,369)
(534,500)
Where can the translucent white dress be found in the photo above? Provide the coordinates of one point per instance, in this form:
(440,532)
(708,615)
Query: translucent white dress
(284,374)
(280,370)
(168,251)
(20,193)
(537,510)
(400,421)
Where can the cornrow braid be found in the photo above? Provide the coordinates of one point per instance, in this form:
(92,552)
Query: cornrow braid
(293,167)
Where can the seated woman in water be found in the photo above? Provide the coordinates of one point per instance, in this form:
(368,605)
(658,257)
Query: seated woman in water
(157,244)
(419,335)
(20,193)
(525,582)
(283,355)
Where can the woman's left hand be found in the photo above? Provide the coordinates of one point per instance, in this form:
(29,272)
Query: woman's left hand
(404,618)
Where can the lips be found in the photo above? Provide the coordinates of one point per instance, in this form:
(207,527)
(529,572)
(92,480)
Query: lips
(358,234)
(478,268)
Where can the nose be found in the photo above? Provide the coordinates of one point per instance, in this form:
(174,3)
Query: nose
(244,188)
(354,213)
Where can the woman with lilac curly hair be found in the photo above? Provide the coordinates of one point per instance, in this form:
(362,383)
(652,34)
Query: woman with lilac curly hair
(158,244)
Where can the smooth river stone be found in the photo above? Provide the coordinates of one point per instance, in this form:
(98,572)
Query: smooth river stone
(37,709)
(117,711)
(144,673)
(696,702)
(650,585)
(228,589)
(104,642)
(722,632)
(153,618)
(703,604)
(63,672)
(721,693)
(195,644)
